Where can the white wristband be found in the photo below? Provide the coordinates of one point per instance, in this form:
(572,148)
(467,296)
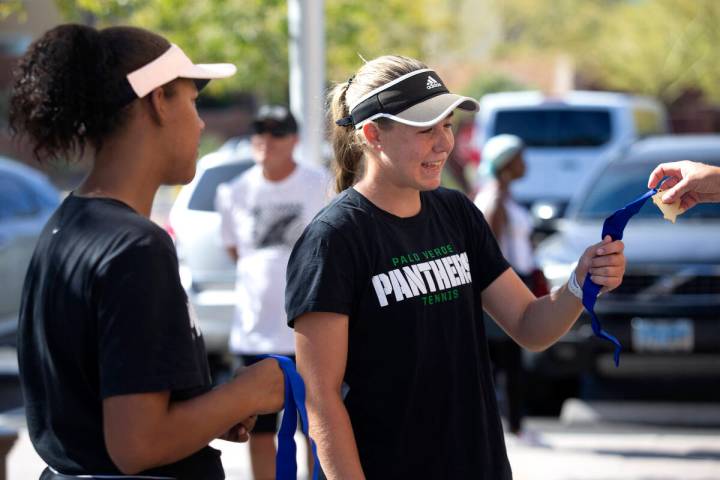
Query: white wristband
(574,287)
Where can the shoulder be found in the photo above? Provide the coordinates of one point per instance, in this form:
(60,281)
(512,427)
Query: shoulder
(313,171)
(231,190)
(456,207)
(449,198)
(316,177)
(344,210)
(487,197)
(249,176)
(126,222)
(344,217)
(120,231)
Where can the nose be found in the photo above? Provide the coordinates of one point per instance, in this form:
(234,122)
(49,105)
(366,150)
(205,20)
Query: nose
(202,124)
(444,140)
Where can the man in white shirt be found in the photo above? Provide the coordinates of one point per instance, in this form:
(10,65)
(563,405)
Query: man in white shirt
(263,212)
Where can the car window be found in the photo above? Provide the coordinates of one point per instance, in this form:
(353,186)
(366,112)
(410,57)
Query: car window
(620,185)
(556,127)
(203,197)
(17,199)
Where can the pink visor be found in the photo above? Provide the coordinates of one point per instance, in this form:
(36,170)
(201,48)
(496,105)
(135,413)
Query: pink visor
(171,65)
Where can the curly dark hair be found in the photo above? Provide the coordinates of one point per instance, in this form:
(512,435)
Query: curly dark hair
(70,88)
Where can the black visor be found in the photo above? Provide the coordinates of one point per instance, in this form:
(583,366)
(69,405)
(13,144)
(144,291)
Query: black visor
(419,98)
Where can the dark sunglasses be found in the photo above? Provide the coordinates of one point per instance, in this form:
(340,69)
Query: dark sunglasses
(276,131)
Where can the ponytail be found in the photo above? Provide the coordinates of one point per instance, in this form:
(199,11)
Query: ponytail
(346,144)
(67,87)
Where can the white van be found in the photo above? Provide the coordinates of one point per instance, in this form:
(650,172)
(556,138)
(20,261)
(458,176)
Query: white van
(567,137)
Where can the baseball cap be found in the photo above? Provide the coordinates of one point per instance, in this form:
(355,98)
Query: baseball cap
(498,151)
(275,119)
(419,99)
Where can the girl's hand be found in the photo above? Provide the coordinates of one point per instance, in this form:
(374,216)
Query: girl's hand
(605,262)
(241,432)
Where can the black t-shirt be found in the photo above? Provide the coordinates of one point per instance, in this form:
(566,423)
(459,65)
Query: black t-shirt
(419,389)
(103,314)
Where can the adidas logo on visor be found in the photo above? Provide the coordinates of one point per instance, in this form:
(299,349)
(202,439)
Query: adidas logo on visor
(432,83)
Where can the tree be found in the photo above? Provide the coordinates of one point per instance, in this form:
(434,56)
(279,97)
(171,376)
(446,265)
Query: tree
(656,47)
(253,34)
(662,48)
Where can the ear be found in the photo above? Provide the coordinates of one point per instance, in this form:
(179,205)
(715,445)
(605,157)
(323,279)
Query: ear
(157,102)
(372,134)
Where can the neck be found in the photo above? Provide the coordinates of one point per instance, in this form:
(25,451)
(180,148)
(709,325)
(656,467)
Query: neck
(123,171)
(276,173)
(401,202)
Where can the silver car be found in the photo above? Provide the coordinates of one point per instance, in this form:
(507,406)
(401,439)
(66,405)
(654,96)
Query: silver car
(27,199)
(665,313)
(206,270)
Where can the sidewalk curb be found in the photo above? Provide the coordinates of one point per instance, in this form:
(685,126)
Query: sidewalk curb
(704,415)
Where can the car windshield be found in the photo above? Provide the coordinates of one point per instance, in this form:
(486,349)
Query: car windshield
(203,197)
(620,184)
(556,127)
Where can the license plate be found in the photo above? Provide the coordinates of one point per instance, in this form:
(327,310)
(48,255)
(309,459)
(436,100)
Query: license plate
(663,335)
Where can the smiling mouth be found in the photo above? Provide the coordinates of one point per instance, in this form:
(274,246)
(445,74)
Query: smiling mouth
(434,164)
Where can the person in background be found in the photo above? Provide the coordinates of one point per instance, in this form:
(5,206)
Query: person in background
(691,182)
(511,224)
(113,366)
(263,212)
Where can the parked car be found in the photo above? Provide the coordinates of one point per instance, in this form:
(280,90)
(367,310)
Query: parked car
(206,270)
(665,313)
(568,137)
(27,199)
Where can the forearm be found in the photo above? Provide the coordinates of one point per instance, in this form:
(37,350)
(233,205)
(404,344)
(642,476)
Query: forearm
(713,184)
(536,323)
(331,429)
(321,340)
(192,424)
(548,318)
(171,431)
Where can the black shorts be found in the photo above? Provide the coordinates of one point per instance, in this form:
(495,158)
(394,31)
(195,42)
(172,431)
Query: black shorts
(265,423)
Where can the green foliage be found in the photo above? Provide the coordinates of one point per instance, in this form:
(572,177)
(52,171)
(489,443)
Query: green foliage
(492,83)
(663,48)
(656,47)
(253,34)
(12,7)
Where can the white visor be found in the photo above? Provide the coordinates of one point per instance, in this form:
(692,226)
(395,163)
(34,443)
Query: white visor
(171,65)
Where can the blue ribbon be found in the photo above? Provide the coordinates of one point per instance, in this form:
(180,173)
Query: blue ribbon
(286,462)
(614,226)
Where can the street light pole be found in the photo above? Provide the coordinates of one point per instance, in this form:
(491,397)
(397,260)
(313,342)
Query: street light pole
(307,74)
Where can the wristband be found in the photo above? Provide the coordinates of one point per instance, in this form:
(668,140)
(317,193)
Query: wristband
(574,286)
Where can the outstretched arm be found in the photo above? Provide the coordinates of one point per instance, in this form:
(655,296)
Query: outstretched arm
(691,182)
(537,323)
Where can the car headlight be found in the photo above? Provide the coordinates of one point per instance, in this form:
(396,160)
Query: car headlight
(543,211)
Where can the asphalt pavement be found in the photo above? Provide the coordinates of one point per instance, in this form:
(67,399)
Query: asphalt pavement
(552,450)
